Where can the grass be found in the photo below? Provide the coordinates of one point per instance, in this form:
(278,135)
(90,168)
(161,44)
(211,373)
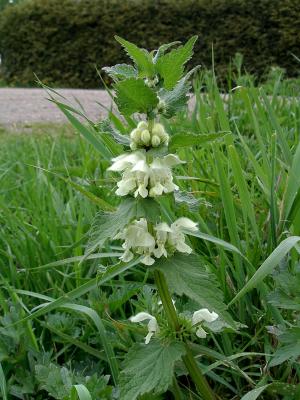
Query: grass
(245,190)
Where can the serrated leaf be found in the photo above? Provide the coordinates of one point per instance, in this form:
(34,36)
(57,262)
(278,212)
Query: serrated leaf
(133,95)
(55,380)
(141,57)
(176,99)
(149,368)
(106,127)
(186,275)
(288,352)
(121,71)
(162,49)
(290,349)
(190,139)
(107,225)
(171,65)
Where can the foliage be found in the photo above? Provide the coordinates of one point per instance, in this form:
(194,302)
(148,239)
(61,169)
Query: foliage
(149,368)
(77,35)
(44,224)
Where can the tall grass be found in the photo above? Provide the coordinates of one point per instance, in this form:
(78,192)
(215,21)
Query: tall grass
(244,189)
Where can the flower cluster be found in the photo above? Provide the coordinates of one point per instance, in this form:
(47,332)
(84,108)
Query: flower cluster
(145,136)
(163,241)
(202,315)
(142,178)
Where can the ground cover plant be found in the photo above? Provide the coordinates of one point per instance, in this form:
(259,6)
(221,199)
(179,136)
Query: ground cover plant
(221,322)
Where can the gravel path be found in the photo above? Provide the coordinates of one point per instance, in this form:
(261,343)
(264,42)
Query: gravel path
(26,106)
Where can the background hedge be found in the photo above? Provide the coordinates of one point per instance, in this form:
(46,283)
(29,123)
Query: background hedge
(62,40)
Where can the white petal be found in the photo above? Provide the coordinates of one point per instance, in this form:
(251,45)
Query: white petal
(148,337)
(142,191)
(142,316)
(163,226)
(204,315)
(148,260)
(171,160)
(141,166)
(126,256)
(153,325)
(185,223)
(201,333)
(156,190)
(182,247)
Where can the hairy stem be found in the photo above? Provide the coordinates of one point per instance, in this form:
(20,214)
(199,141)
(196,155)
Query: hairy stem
(188,359)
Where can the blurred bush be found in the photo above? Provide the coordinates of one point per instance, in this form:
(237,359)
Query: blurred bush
(62,40)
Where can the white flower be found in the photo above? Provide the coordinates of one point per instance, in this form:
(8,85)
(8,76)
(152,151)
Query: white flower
(203,315)
(162,231)
(144,180)
(124,161)
(176,238)
(161,179)
(163,241)
(137,238)
(152,324)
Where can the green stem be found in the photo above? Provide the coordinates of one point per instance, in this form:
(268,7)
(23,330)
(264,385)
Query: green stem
(176,389)
(197,376)
(166,299)
(188,359)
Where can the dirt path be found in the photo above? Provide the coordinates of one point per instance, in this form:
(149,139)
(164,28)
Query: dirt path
(26,106)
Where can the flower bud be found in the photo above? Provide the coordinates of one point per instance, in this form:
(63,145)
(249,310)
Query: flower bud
(158,130)
(142,125)
(165,138)
(135,135)
(145,136)
(155,141)
(133,146)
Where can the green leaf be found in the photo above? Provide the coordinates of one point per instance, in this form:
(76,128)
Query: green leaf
(171,65)
(190,139)
(162,49)
(107,225)
(80,392)
(104,337)
(133,95)
(290,349)
(85,131)
(275,388)
(217,241)
(149,368)
(186,275)
(268,265)
(121,71)
(287,292)
(293,184)
(55,380)
(105,126)
(141,57)
(253,394)
(176,99)
(3,384)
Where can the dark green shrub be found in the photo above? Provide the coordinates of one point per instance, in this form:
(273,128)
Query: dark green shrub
(62,40)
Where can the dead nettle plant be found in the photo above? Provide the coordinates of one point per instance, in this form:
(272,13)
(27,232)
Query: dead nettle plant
(155,88)
(142,157)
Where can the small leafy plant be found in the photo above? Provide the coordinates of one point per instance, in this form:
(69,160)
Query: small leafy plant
(156,88)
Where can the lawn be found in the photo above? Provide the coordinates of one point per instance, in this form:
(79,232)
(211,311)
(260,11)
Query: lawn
(242,187)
